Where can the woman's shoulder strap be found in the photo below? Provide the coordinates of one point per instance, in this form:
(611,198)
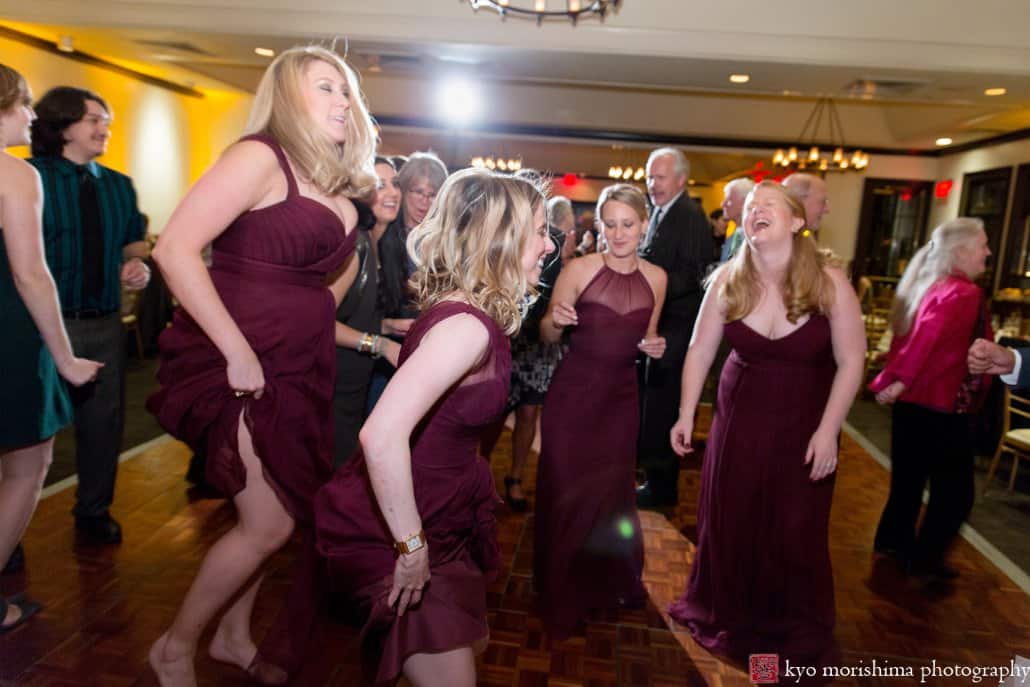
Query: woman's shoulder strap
(280,155)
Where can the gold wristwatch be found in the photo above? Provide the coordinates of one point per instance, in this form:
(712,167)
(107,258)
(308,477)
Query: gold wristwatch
(411,543)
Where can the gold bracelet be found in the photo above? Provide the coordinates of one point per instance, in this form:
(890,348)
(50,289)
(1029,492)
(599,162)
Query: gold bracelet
(365,343)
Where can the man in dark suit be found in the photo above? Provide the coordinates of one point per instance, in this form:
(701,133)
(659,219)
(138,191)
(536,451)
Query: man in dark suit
(987,357)
(679,240)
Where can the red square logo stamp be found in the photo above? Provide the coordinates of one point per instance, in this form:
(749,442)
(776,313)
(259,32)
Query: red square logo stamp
(765,668)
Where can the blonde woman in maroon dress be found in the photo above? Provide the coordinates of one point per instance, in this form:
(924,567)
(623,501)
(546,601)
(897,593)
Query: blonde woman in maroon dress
(408,525)
(248,364)
(761,581)
(588,549)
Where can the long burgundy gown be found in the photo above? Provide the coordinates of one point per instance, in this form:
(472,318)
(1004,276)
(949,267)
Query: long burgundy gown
(761,580)
(269,268)
(588,550)
(455,496)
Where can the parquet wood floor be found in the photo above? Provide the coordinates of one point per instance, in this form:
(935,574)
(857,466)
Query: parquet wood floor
(105,606)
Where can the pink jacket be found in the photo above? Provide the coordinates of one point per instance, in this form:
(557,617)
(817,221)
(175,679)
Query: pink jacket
(930,360)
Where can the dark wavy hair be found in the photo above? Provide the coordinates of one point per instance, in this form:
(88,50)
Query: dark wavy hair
(57,110)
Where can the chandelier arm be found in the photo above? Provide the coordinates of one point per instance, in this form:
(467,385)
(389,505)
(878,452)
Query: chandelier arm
(598,7)
(840,127)
(816,116)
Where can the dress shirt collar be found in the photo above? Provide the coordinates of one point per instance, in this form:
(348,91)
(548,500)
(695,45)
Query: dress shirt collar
(665,208)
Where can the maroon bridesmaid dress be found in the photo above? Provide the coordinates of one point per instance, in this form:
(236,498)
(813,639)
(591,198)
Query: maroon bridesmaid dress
(455,495)
(761,580)
(270,269)
(588,550)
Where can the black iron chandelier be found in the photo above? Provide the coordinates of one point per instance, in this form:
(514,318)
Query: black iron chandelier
(806,153)
(541,10)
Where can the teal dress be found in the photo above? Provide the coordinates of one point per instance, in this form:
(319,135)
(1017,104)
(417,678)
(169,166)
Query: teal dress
(33,396)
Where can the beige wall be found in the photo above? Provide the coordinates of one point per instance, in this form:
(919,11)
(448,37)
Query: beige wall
(840,227)
(955,166)
(162,139)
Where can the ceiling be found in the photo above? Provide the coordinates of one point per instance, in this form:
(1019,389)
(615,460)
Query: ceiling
(902,73)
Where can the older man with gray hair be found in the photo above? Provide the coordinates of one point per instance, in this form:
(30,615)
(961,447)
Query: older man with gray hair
(561,217)
(733,195)
(679,240)
(811,191)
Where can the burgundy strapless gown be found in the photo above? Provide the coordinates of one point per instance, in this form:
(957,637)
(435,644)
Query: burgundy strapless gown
(588,550)
(456,497)
(761,580)
(269,268)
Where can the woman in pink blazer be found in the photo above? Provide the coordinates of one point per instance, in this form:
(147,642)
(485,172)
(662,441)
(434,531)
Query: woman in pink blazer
(937,313)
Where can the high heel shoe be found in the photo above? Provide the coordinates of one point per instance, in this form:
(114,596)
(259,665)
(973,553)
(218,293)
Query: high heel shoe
(519,505)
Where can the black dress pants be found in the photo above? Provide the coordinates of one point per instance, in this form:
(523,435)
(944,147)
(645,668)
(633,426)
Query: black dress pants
(659,411)
(99,411)
(935,447)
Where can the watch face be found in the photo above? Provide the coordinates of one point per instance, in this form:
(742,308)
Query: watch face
(414,542)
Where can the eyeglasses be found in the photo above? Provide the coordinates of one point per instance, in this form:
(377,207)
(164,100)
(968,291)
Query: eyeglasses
(427,196)
(97,119)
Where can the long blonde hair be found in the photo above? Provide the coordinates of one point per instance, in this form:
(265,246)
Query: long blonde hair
(930,264)
(471,242)
(806,286)
(279,112)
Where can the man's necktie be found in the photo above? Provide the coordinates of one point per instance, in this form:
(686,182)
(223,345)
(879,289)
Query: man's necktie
(656,219)
(92,239)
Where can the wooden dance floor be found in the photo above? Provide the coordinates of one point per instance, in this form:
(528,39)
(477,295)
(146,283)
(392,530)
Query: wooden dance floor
(104,607)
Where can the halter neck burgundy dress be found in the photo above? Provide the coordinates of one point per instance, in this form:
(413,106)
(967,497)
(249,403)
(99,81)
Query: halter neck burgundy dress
(456,498)
(588,549)
(761,580)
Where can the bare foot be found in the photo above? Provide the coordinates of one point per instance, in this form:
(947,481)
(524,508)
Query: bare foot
(171,670)
(238,651)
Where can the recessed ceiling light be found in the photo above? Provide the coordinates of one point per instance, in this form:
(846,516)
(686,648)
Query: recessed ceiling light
(943,141)
(740,78)
(995,91)
(265,52)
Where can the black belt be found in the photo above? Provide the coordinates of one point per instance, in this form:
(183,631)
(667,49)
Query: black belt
(86,314)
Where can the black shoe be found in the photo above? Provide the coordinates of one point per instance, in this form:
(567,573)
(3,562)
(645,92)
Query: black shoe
(16,563)
(520,505)
(101,529)
(934,571)
(27,608)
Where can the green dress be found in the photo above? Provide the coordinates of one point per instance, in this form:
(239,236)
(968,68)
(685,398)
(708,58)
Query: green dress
(33,397)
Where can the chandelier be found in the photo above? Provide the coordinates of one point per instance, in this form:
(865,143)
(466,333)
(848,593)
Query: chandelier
(548,9)
(807,155)
(626,173)
(504,165)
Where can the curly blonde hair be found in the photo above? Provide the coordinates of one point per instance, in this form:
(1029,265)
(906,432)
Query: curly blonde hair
(806,286)
(471,242)
(279,112)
